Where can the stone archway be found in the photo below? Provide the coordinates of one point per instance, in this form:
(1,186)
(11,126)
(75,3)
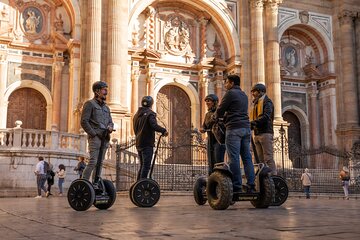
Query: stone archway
(29,106)
(294,137)
(173,108)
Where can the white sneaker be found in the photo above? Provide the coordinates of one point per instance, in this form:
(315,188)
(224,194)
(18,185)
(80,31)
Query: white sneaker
(38,197)
(47,194)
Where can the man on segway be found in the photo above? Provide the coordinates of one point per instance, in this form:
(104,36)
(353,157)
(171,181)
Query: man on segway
(215,150)
(97,123)
(234,109)
(145,126)
(262,117)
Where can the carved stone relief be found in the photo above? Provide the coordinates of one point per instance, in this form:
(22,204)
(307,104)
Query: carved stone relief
(177,36)
(291,60)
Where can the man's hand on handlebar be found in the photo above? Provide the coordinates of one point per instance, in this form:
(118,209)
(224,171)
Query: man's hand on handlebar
(165,134)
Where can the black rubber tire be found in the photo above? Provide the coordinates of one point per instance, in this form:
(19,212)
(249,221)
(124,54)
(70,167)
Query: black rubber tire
(131,194)
(146,193)
(219,190)
(200,191)
(81,195)
(111,192)
(281,191)
(267,190)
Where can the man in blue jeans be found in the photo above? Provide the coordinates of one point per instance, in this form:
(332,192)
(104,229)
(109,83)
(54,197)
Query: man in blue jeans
(234,109)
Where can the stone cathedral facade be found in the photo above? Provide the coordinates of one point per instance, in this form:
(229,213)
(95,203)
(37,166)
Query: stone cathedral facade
(51,51)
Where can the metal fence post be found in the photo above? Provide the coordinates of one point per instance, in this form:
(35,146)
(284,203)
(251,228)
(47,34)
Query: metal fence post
(282,133)
(117,166)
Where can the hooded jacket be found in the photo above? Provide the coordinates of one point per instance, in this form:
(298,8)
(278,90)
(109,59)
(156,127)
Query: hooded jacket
(145,126)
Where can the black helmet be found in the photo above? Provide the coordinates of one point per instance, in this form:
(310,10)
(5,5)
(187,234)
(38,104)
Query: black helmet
(259,87)
(147,101)
(212,97)
(98,85)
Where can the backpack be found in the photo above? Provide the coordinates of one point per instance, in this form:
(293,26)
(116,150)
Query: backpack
(46,168)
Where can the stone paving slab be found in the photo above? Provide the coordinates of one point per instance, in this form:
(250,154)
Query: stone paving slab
(178,217)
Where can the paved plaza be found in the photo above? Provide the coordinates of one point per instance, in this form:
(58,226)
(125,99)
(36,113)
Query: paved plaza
(178,217)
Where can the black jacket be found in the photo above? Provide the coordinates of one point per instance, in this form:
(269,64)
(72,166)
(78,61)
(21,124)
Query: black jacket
(263,122)
(207,125)
(145,125)
(235,105)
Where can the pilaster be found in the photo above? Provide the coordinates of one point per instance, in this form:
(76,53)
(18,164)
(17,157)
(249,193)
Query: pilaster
(56,111)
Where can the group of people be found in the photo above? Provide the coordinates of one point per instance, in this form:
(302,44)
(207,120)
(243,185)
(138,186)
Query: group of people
(45,174)
(232,110)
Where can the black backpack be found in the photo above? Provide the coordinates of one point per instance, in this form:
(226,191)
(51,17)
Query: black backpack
(46,168)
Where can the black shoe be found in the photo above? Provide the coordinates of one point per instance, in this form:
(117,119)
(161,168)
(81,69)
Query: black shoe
(250,188)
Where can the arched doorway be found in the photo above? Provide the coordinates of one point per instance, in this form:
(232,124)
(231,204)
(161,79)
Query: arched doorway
(29,106)
(173,108)
(294,137)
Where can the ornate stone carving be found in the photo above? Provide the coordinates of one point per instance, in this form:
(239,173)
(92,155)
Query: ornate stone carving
(258,4)
(33,20)
(346,17)
(59,24)
(304,17)
(177,36)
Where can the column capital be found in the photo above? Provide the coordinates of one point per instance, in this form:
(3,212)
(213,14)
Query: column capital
(346,17)
(273,5)
(257,4)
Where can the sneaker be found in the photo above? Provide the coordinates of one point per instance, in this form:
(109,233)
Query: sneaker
(38,197)
(47,194)
(60,194)
(347,198)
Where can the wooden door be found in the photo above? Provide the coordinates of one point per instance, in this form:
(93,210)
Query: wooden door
(173,108)
(29,106)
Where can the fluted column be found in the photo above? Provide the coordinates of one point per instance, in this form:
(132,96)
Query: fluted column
(203,26)
(135,73)
(314,119)
(204,87)
(74,88)
(93,46)
(117,55)
(3,80)
(257,40)
(350,112)
(273,79)
(56,111)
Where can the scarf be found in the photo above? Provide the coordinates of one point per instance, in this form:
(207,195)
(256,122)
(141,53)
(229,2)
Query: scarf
(258,108)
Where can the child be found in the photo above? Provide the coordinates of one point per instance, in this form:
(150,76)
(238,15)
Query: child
(61,174)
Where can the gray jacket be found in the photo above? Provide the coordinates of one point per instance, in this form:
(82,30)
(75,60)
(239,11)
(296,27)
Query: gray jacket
(95,118)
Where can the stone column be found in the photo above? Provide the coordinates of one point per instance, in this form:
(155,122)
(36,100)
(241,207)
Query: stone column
(357,47)
(257,40)
(273,79)
(74,88)
(348,80)
(203,24)
(314,119)
(135,73)
(150,80)
(56,89)
(93,46)
(204,91)
(3,80)
(117,55)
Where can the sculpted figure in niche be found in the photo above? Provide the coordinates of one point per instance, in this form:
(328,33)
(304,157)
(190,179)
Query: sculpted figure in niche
(177,35)
(184,36)
(32,22)
(59,23)
(291,57)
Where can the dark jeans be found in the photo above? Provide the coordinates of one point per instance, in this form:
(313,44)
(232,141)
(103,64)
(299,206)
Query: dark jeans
(145,156)
(237,143)
(215,154)
(307,191)
(40,180)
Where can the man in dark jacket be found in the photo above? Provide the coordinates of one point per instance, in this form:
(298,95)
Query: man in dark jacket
(215,150)
(234,109)
(145,126)
(97,123)
(262,117)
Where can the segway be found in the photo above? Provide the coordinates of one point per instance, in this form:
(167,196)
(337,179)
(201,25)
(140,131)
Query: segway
(281,188)
(101,192)
(146,192)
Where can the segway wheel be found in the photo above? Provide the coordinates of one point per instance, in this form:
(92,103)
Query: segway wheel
(131,194)
(281,191)
(219,190)
(146,193)
(267,190)
(200,191)
(81,195)
(111,192)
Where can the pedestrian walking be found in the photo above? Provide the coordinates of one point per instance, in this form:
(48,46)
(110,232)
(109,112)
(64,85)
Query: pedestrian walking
(40,173)
(345,180)
(50,175)
(306,179)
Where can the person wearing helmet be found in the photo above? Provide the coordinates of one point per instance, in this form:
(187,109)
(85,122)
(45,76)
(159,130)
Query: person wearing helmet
(145,125)
(234,109)
(262,117)
(97,123)
(215,150)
